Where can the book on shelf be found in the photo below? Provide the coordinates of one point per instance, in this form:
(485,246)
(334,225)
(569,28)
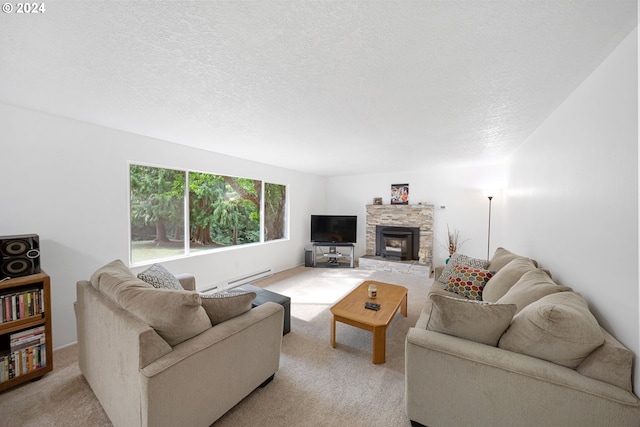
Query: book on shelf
(22,304)
(22,362)
(26,353)
(26,338)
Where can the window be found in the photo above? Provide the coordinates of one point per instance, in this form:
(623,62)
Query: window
(275,196)
(223,211)
(157,207)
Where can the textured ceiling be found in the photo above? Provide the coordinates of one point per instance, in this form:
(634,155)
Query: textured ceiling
(326,87)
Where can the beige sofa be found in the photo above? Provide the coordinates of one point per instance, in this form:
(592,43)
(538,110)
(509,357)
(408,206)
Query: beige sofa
(182,371)
(530,354)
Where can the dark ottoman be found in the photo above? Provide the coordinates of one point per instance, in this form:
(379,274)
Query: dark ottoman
(263,295)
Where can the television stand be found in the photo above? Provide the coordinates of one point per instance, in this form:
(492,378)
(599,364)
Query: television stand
(333,256)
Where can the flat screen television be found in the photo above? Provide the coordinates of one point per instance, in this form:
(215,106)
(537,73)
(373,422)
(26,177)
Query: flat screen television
(334,228)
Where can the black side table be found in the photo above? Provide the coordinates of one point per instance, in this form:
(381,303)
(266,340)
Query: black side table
(263,295)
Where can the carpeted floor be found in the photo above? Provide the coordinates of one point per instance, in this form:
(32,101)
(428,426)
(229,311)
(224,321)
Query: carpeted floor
(315,386)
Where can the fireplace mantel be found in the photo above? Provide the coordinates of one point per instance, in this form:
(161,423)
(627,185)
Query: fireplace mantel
(420,216)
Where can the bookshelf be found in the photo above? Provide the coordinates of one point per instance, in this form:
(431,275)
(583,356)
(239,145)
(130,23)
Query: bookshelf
(26,351)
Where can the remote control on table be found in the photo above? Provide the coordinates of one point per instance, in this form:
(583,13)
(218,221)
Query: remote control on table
(372,306)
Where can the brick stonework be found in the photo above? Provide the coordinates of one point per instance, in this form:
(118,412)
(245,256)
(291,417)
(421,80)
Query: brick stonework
(419,216)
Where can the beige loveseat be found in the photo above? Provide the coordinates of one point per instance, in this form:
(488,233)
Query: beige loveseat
(530,354)
(182,371)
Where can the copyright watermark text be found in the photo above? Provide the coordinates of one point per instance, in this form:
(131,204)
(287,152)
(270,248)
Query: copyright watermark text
(29,8)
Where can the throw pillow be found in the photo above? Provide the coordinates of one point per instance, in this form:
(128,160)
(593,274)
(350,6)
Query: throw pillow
(459,259)
(158,277)
(468,282)
(477,321)
(114,276)
(533,285)
(612,363)
(502,257)
(115,267)
(558,328)
(225,305)
(505,278)
(175,315)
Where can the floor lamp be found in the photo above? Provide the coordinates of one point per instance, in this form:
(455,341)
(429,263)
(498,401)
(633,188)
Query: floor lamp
(489,231)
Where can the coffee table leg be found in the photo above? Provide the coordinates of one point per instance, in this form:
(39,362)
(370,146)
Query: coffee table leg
(379,344)
(333,331)
(403,306)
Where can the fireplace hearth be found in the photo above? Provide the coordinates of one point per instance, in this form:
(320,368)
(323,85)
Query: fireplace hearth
(397,243)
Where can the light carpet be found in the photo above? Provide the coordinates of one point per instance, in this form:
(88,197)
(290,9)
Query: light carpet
(316,384)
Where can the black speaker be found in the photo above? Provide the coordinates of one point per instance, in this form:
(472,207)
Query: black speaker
(19,255)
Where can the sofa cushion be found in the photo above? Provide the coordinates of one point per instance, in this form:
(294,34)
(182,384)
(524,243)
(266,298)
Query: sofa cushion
(502,257)
(460,259)
(558,328)
(533,285)
(175,315)
(505,278)
(158,277)
(225,305)
(468,282)
(114,276)
(611,362)
(470,319)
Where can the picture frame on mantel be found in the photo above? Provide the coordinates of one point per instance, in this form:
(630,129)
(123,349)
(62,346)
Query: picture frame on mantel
(399,194)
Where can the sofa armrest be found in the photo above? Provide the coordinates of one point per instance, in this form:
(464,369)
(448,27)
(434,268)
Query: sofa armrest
(218,367)
(188,281)
(437,272)
(497,384)
(214,335)
(112,347)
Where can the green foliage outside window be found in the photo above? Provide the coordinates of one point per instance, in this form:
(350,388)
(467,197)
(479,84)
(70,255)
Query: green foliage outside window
(223,211)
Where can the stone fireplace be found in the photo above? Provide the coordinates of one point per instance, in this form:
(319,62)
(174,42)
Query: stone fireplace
(400,220)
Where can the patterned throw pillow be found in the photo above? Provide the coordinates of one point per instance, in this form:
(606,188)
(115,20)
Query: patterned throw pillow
(225,305)
(468,282)
(160,278)
(459,259)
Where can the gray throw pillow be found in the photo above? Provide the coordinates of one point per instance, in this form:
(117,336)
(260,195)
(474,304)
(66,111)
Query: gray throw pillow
(503,257)
(558,328)
(472,320)
(222,306)
(463,260)
(158,277)
(505,278)
(113,277)
(612,363)
(533,285)
(175,315)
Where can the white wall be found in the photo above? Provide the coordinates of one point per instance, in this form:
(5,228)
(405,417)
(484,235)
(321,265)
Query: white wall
(573,194)
(569,197)
(458,188)
(67,182)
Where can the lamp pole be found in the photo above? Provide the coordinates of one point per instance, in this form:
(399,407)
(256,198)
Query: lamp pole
(489,231)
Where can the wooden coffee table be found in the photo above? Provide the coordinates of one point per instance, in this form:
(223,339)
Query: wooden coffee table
(350,310)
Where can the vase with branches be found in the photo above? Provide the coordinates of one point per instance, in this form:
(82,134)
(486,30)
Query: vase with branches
(453,241)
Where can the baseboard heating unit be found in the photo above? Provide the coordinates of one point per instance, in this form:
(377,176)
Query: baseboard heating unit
(239,281)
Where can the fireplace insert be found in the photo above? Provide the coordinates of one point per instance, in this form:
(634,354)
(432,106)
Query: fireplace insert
(398,243)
